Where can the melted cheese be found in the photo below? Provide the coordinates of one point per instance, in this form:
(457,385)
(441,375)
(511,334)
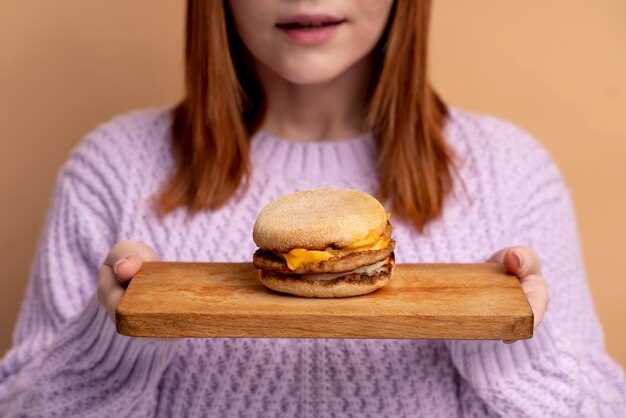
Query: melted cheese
(369,239)
(379,244)
(300,256)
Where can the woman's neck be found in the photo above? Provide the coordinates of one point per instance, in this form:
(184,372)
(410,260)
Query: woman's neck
(314,112)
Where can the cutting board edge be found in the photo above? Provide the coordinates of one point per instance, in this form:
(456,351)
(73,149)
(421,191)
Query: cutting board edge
(127,312)
(516,327)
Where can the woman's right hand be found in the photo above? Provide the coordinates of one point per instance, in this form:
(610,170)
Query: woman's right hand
(122,263)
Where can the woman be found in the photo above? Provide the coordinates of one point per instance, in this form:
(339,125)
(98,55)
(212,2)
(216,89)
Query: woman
(282,96)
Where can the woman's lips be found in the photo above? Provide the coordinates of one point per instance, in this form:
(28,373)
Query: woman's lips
(309,29)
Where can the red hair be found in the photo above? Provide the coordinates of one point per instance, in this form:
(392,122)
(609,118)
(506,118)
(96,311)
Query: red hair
(224,105)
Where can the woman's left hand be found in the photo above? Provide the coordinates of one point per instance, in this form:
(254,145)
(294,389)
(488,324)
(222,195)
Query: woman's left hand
(524,263)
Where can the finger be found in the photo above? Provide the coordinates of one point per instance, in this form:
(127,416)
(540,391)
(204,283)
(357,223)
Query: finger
(125,248)
(519,260)
(127,256)
(536,292)
(125,268)
(498,256)
(109,290)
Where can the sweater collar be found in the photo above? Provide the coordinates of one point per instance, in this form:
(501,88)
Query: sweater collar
(312,159)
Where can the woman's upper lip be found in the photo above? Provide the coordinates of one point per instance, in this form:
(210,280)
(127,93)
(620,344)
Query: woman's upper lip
(309,19)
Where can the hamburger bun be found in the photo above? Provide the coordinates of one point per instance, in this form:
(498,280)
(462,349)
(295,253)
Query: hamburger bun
(346,285)
(318,218)
(325,242)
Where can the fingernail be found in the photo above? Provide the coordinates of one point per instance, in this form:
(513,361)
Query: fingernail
(117,264)
(518,259)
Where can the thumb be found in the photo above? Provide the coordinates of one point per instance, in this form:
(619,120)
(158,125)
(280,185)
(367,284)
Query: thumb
(127,257)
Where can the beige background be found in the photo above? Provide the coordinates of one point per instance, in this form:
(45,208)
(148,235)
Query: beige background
(558,69)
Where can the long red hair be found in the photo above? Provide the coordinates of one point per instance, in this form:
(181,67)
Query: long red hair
(224,105)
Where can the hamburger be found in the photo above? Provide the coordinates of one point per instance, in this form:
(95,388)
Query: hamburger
(324,242)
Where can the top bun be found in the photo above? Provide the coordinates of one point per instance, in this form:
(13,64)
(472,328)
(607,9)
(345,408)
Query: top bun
(317,218)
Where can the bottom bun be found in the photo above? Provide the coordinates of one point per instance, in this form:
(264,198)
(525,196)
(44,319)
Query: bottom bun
(348,285)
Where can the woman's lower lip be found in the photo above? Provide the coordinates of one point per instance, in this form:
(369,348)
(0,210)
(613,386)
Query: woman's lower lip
(311,36)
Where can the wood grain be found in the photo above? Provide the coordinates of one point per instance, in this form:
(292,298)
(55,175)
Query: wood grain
(452,301)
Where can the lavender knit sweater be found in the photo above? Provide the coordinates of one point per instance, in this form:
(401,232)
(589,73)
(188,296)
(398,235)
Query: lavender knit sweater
(68,361)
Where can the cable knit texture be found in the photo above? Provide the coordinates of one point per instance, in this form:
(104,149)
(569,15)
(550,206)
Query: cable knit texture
(68,361)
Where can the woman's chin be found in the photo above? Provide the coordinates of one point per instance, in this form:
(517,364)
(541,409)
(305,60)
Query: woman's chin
(309,73)
(310,77)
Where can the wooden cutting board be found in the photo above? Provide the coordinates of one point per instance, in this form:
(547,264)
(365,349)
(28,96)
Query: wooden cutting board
(454,301)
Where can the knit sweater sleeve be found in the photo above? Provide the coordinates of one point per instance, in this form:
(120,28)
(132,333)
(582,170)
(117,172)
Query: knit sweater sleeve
(67,359)
(563,370)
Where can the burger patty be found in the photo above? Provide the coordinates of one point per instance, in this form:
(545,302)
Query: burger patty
(381,274)
(267,260)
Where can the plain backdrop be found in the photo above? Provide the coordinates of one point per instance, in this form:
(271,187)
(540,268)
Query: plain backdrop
(556,67)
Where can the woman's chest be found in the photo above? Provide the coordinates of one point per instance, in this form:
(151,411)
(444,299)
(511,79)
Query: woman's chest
(461,234)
